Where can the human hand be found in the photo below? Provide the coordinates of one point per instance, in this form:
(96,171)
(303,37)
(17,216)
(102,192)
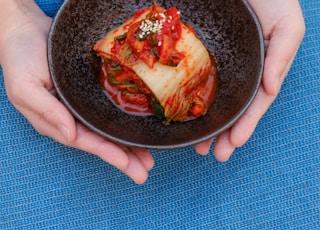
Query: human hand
(283,29)
(23,57)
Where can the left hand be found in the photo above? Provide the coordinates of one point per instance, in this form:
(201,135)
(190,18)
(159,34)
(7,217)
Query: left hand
(283,29)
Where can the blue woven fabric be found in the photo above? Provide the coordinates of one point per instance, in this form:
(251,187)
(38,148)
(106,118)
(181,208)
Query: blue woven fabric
(273,182)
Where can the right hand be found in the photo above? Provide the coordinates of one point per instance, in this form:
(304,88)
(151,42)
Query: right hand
(23,57)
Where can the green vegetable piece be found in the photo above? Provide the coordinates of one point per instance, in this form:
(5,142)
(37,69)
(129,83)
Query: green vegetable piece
(120,37)
(112,79)
(157,108)
(115,68)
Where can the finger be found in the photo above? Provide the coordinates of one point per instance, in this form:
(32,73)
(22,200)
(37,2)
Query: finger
(203,148)
(223,148)
(42,126)
(245,126)
(85,140)
(90,142)
(135,170)
(144,156)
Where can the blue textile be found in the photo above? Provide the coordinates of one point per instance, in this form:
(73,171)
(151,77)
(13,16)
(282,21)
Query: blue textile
(272,182)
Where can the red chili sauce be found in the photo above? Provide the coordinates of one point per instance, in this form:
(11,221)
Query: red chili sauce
(151,40)
(129,93)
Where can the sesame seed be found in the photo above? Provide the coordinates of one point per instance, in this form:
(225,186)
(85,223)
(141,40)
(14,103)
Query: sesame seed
(159,43)
(147,26)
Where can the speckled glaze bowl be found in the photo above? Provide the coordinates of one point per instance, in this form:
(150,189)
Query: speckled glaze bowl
(228,28)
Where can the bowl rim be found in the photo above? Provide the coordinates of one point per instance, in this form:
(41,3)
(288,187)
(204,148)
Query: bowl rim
(182,144)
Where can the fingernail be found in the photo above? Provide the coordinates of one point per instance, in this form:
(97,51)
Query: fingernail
(64,131)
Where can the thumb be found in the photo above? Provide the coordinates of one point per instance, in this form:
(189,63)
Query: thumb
(45,112)
(282,48)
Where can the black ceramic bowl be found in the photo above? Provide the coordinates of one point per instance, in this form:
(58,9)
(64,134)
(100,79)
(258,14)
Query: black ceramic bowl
(228,28)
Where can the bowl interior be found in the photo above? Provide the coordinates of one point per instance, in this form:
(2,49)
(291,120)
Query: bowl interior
(229,30)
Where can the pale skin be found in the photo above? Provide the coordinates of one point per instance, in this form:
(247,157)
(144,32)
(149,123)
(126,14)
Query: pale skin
(23,57)
(283,30)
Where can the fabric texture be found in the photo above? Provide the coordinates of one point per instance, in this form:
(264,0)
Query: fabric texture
(272,182)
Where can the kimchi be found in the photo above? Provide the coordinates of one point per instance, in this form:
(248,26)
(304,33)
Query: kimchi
(155,64)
